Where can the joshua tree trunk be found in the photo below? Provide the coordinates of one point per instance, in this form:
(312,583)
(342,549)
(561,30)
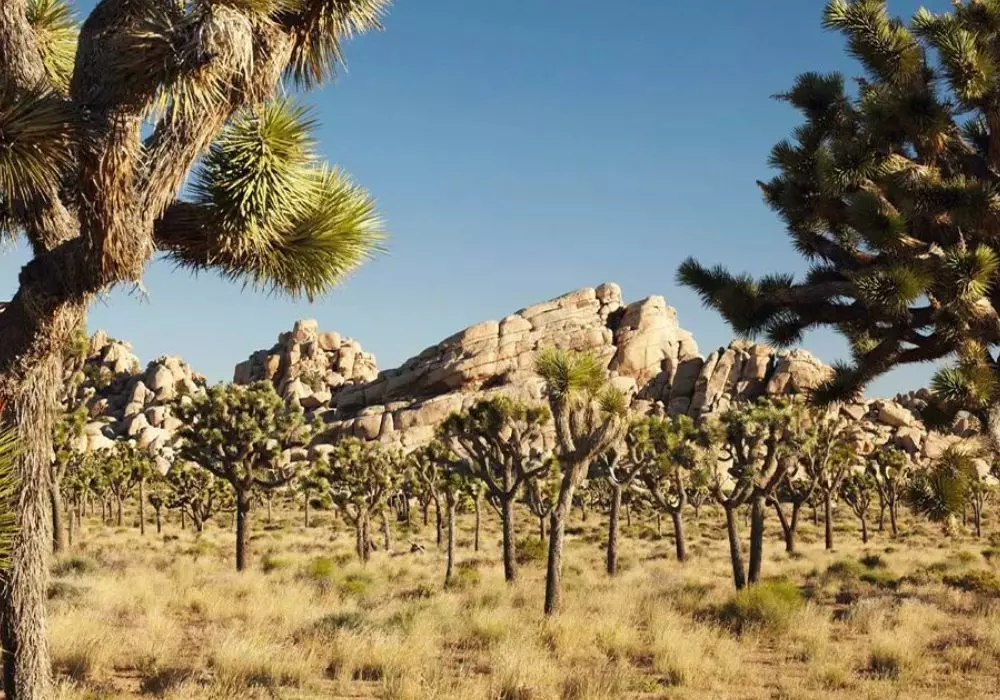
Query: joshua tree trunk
(735,554)
(881,513)
(118,511)
(541,528)
(386,531)
(892,519)
(27,672)
(815,514)
(306,520)
(557,540)
(616,504)
(679,542)
(59,541)
(628,514)
(864,530)
(426,506)
(364,538)
(69,526)
(507,522)
(475,536)
(269,509)
(142,506)
(197,523)
(756,538)
(788,525)
(828,520)
(450,570)
(659,525)
(244,511)
(159,526)
(183,520)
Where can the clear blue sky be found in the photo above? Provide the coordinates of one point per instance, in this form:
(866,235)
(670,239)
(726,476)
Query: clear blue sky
(523,149)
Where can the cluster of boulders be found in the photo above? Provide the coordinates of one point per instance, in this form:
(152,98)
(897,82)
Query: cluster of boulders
(648,355)
(124,401)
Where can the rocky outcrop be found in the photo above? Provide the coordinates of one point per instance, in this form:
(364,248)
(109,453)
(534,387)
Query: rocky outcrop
(124,401)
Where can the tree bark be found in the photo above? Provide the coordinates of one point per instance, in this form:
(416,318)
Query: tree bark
(679,542)
(475,536)
(142,506)
(306,523)
(244,511)
(59,539)
(450,569)
(425,507)
(183,519)
(756,538)
(438,525)
(616,504)
(159,526)
(118,511)
(69,526)
(507,523)
(789,525)
(735,553)
(864,530)
(828,520)
(27,673)
(659,525)
(386,531)
(892,520)
(541,528)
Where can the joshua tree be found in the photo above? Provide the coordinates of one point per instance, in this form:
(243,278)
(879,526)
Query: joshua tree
(857,490)
(755,438)
(196,493)
(474,489)
(589,418)
(500,441)
(825,454)
(157,501)
(68,431)
(942,491)
(890,470)
(360,477)
(117,114)
(8,492)
(540,495)
(125,466)
(424,466)
(796,489)
(243,435)
(449,478)
(667,449)
(309,483)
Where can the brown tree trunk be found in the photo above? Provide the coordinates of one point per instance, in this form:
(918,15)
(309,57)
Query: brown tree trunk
(628,514)
(507,523)
(659,525)
(183,519)
(450,569)
(679,543)
(27,673)
(438,525)
(69,526)
(475,536)
(425,507)
(892,519)
(864,530)
(881,513)
(788,525)
(118,511)
(142,506)
(159,527)
(735,553)
(269,509)
(828,520)
(59,540)
(553,575)
(616,504)
(541,528)
(386,531)
(756,538)
(306,523)
(244,512)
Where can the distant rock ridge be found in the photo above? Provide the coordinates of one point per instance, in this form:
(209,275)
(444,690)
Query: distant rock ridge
(648,355)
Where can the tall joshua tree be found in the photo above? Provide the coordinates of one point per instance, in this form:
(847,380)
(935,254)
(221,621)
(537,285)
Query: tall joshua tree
(360,477)
(857,490)
(890,468)
(501,442)
(755,440)
(101,125)
(889,193)
(125,467)
(243,435)
(589,418)
(196,493)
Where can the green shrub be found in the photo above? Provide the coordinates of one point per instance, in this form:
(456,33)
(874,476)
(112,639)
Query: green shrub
(77,564)
(767,606)
(355,583)
(320,571)
(466,575)
(873,561)
(529,550)
(269,563)
(845,569)
(979,581)
(881,578)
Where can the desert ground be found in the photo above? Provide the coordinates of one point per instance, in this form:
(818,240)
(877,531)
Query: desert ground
(167,615)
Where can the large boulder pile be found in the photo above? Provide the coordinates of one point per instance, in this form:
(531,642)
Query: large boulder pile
(124,401)
(648,355)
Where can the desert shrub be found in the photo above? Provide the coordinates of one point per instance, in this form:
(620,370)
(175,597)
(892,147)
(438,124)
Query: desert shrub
(269,563)
(328,626)
(355,583)
(421,591)
(320,570)
(979,581)
(768,606)
(881,578)
(466,575)
(873,561)
(845,569)
(76,564)
(885,662)
(530,550)
(991,554)
(65,590)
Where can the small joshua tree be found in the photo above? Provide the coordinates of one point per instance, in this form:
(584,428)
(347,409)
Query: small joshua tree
(589,418)
(197,494)
(66,434)
(310,483)
(449,477)
(243,435)
(890,468)
(360,477)
(857,490)
(755,437)
(125,466)
(667,450)
(500,440)
(422,474)
(942,491)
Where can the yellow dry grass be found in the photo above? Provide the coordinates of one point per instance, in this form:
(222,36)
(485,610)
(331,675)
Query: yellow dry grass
(166,616)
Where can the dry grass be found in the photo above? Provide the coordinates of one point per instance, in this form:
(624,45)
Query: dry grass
(167,617)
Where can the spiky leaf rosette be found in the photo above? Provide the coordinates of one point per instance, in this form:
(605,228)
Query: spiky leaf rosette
(890,192)
(943,489)
(56,33)
(34,145)
(569,375)
(270,215)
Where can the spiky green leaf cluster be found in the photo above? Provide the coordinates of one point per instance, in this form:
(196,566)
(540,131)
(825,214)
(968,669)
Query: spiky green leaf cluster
(34,145)
(569,375)
(56,33)
(942,490)
(890,191)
